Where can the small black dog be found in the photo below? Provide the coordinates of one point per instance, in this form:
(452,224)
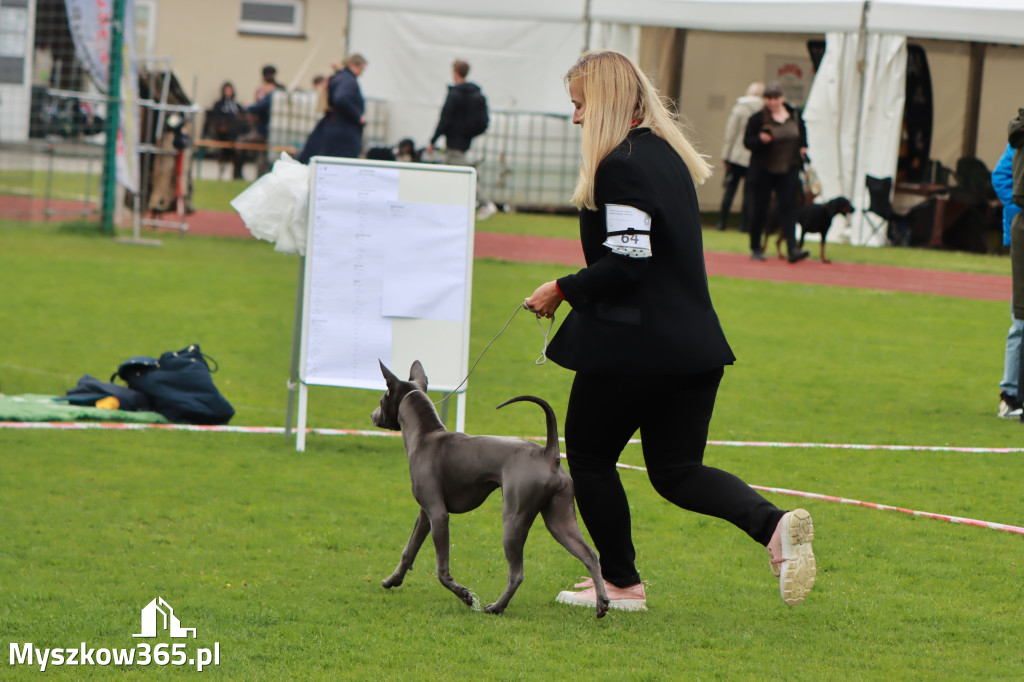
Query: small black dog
(811,218)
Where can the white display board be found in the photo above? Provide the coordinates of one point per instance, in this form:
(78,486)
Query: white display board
(387,276)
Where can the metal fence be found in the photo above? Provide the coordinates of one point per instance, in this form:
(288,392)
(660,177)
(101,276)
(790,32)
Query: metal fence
(525,161)
(52,139)
(57,171)
(528,161)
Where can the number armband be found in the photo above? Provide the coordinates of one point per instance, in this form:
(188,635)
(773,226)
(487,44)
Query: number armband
(627,231)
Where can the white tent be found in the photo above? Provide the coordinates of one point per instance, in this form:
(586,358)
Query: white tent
(521,50)
(996,21)
(854,111)
(761,16)
(987,21)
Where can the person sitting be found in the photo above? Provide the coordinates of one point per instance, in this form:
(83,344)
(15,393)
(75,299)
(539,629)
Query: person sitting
(225,123)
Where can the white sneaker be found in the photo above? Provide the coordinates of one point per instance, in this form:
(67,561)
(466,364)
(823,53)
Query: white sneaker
(630,598)
(486,211)
(1009,409)
(798,567)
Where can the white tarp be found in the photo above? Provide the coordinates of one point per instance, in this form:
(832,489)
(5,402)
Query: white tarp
(89,22)
(518,54)
(841,104)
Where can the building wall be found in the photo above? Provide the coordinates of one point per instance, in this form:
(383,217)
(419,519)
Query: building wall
(17,19)
(202,38)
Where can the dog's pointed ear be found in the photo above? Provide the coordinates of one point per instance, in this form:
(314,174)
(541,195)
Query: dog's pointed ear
(418,376)
(389,377)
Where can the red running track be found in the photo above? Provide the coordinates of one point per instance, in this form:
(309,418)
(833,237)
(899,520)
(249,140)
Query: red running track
(567,252)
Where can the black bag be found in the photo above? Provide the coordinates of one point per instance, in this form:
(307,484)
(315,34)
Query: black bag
(178,386)
(476,116)
(90,389)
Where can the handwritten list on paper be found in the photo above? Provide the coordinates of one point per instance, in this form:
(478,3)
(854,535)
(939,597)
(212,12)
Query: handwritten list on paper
(376,258)
(347,334)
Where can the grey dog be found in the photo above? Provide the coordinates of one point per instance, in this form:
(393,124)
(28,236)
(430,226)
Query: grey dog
(452,472)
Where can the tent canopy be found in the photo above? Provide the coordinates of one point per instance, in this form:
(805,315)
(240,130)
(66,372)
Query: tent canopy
(762,16)
(996,21)
(986,21)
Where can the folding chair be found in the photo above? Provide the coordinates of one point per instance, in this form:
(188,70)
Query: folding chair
(897,232)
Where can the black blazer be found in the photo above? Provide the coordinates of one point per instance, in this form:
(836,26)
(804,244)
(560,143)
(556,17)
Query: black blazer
(642,315)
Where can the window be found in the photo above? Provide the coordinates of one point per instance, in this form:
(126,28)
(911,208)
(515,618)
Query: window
(278,17)
(145,27)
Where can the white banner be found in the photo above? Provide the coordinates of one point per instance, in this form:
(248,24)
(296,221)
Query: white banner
(89,21)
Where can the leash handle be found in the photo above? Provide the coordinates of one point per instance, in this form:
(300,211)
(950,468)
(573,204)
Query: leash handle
(547,333)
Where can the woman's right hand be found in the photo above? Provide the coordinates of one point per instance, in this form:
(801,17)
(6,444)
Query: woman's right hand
(545,300)
(765,137)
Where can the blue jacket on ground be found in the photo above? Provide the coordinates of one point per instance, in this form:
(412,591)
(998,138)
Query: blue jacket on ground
(1002,182)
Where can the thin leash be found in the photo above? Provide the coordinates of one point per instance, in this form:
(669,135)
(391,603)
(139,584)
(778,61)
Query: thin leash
(539,361)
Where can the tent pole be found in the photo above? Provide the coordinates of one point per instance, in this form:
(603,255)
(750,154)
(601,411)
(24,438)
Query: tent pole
(586,26)
(975,74)
(858,176)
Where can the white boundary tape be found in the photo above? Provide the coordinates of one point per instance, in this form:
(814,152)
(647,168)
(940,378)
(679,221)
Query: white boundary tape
(117,426)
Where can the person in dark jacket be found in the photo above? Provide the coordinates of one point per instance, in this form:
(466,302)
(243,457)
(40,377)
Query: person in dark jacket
(340,131)
(453,125)
(260,115)
(643,337)
(225,123)
(1016,139)
(1010,406)
(777,141)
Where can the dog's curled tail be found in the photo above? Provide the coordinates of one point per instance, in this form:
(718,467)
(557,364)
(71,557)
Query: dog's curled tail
(551,448)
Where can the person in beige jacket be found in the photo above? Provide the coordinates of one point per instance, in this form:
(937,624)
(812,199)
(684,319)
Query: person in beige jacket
(736,157)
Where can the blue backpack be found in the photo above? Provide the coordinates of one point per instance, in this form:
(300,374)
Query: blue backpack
(179,386)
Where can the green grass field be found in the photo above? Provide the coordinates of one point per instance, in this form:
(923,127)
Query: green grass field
(277,556)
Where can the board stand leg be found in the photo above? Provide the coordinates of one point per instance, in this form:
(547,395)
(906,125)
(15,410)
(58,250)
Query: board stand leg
(293,372)
(300,430)
(460,413)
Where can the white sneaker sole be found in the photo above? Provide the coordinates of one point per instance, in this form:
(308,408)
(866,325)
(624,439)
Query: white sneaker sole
(799,569)
(574,599)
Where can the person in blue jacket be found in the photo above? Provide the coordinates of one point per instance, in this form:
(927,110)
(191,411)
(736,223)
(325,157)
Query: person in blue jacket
(340,131)
(1010,406)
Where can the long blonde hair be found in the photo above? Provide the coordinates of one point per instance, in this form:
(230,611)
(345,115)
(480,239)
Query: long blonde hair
(616,93)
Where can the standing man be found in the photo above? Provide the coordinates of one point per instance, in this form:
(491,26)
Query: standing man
(340,131)
(1009,394)
(1016,140)
(464,116)
(268,84)
(260,110)
(735,156)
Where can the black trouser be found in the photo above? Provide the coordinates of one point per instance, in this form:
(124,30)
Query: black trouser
(786,187)
(733,177)
(1017,282)
(672,414)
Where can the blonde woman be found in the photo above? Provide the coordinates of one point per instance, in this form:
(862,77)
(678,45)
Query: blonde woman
(643,338)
